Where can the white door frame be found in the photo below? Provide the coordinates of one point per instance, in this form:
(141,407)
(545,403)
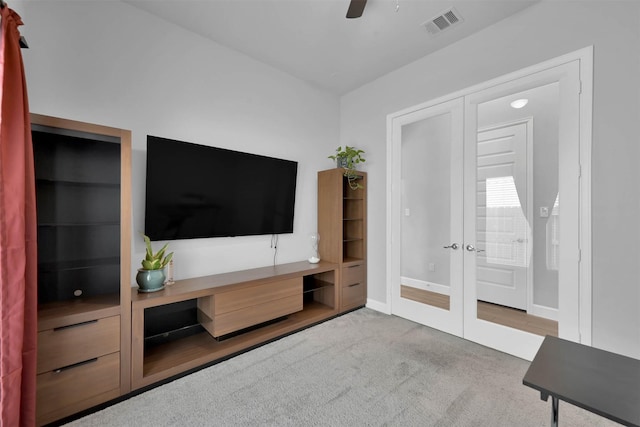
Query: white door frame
(575,303)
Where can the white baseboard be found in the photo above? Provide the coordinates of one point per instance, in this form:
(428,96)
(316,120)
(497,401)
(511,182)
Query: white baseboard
(382,307)
(546,312)
(426,286)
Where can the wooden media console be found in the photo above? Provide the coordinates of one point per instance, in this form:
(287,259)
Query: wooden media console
(246,308)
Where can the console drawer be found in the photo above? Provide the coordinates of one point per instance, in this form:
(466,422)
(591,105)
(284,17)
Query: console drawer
(75,343)
(69,387)
(249,316)
(353,274)
(354,295)
(256,295)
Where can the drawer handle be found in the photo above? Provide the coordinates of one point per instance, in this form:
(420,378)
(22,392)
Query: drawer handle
(60,328)
(352,285)
(75,365)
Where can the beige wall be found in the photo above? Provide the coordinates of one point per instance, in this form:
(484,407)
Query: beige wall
(544,31)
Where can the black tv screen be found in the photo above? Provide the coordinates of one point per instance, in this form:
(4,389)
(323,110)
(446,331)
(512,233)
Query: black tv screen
(196,191)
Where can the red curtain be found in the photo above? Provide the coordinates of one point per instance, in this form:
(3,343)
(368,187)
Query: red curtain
(18,255)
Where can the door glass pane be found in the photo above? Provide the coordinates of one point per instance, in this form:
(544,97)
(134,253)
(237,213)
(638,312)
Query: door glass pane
(517,210)
(426,212)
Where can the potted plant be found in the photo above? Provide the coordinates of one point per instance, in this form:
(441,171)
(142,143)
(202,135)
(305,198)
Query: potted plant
(151,277)
(348,158)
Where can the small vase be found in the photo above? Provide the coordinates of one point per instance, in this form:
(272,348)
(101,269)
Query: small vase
(150,280)
(342,162)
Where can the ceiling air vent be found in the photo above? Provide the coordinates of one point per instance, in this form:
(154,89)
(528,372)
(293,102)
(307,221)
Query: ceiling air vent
(443,21)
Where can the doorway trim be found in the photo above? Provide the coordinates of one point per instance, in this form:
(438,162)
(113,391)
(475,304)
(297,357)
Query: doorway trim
(585,58)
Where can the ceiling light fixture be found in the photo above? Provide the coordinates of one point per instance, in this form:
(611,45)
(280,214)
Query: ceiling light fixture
(519,103)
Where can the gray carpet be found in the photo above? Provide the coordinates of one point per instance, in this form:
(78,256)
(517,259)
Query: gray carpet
(364,368)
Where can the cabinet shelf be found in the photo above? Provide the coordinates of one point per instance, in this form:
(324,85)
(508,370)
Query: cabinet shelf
(80,224)
(67,182)
(81,264)
(316,285)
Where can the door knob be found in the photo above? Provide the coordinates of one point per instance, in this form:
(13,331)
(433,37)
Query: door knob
(453,246)
(470,248)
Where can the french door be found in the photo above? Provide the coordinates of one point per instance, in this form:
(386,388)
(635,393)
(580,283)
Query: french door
(478,193)
(428,216)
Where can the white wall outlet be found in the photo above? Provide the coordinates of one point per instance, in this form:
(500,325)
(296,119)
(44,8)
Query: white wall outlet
(407,212)
(544,212)
(432,266)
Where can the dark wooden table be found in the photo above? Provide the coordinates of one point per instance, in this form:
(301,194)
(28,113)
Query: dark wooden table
(604,383)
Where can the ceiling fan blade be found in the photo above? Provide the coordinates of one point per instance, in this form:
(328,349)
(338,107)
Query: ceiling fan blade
(356,7)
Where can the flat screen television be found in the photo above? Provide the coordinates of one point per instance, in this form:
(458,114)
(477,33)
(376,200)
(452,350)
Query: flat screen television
(196,191)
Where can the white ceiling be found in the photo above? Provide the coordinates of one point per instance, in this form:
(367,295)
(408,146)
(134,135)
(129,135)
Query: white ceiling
(312,39)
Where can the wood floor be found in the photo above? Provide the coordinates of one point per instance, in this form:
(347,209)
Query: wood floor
(506,316)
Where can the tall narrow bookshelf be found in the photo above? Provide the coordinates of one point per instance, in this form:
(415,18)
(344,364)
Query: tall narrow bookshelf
(83,196)
(342,225)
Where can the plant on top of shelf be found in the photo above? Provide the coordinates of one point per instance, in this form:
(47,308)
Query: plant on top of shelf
(151,277)
(348,159)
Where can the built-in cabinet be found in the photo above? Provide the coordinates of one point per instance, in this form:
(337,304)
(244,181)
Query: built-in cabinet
(342,225)
(84,214)
(99,339)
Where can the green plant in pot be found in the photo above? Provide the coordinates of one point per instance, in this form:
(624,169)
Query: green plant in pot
(348,158)
(151,277)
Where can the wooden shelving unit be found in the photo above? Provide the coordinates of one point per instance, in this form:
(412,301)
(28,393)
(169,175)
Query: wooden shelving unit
(255,290)
(83,191)
(342,225)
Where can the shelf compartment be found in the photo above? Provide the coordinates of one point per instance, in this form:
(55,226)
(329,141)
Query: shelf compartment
(353,249)
(352,230)
(69,158)
(177,356)
(320,288)
(72,283)
(353,209)
(74,243)
(73,203)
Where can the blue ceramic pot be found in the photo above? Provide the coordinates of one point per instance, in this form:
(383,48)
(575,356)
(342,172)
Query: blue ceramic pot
(150,280)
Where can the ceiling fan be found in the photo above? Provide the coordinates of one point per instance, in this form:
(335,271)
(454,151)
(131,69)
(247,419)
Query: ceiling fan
(356,7)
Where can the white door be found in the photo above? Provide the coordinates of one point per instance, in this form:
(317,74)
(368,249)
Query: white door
(503,230)
(556,142)
(426,270)
(527,167)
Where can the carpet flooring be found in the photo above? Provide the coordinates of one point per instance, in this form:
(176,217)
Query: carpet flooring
(361,369)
